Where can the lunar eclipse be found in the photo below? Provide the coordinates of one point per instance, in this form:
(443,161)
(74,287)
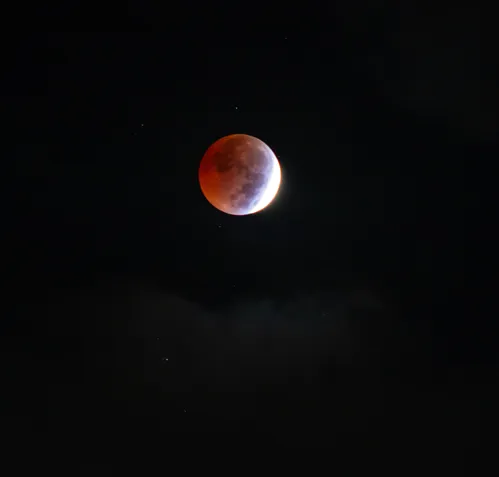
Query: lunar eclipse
(239,174)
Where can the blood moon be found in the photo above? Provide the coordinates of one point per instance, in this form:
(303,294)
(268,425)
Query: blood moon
(239,174)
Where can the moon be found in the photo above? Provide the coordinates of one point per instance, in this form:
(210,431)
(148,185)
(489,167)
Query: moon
(239,174)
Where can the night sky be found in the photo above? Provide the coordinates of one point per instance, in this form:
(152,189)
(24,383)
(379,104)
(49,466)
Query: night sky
(337,317)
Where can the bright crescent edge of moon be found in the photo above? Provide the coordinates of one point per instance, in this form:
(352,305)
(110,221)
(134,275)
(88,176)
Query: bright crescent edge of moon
(272,187)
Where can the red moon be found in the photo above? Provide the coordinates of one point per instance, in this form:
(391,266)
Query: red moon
(239,174)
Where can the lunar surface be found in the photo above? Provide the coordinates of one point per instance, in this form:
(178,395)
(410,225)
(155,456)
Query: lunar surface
(239,174)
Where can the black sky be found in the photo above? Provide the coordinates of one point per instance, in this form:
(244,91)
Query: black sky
(334,317)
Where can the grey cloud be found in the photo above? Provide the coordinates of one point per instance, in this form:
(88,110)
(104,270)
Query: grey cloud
(304,362)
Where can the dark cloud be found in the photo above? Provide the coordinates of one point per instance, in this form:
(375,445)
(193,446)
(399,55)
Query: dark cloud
(433,60)
(138,356)
(445,62)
